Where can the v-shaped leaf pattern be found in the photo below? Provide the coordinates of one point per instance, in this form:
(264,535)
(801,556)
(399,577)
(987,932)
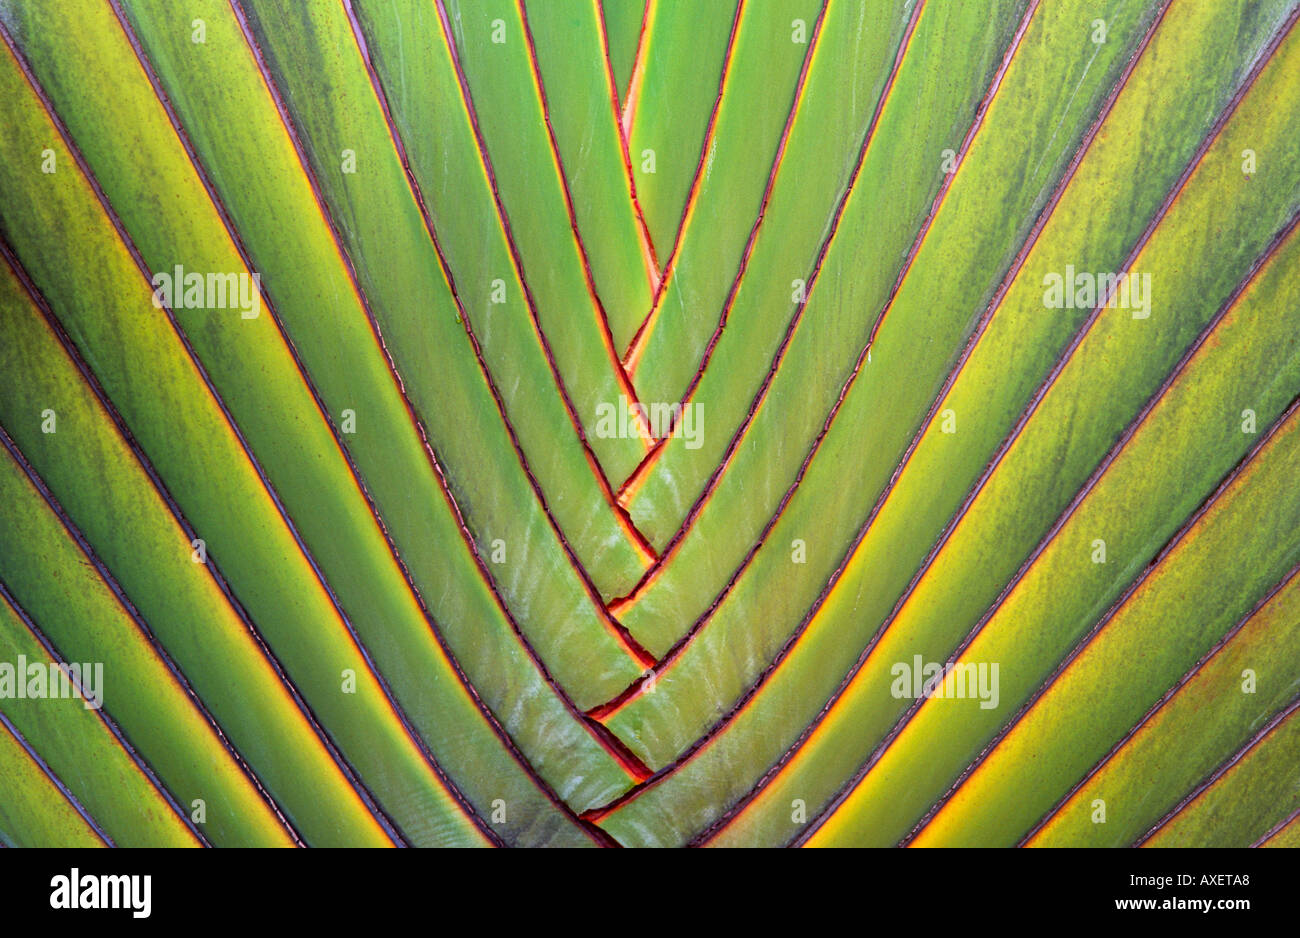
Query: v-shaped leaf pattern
(624,23)
(631,422)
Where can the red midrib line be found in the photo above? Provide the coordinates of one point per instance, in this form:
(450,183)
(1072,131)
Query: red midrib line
(237,240)
(618,751)
(1170,546)
(1066,356)
(41,766)
(898,471)
(837,573)
(643,233)
(634,480)
(1267,730)
(715,477)
(141,764)
(1277,828)
(434,461)
(665,662)
(1086,642)
(994,303)
(1125,740)
(636,346)
(630,645)
(93,560)
(602,318)
(627,113)
(182,338)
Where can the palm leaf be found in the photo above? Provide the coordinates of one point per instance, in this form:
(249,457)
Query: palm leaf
(381,551)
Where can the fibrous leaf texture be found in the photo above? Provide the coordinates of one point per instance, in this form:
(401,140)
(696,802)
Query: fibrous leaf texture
(649,423)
